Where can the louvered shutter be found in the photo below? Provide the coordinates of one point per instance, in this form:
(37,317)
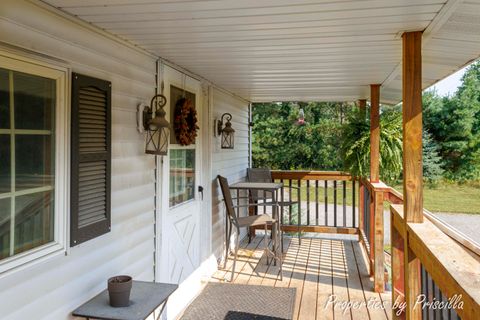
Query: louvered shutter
(90,158)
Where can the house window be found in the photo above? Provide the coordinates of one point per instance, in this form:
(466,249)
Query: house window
(32,161)
(182,175)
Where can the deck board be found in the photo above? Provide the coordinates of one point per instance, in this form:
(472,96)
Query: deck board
(325,286)
(340,283)
(355,287)
(299,273)
(309,293)
(317,268)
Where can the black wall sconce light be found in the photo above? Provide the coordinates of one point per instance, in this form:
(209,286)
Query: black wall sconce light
(152,120)
(226,133)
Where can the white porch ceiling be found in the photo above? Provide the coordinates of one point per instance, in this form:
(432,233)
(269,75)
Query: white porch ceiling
(273,50)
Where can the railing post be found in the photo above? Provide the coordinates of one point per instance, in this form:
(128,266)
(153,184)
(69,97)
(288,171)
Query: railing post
(379,257)
(371,235)
(361,204)
(398,286)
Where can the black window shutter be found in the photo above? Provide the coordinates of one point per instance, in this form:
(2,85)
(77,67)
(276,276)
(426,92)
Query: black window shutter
(90,158)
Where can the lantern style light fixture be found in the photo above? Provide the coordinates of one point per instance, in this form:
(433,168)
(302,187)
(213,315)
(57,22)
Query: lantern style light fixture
(156,126)
(226,133)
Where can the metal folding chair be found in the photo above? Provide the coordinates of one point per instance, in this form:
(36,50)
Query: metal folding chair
(243,222)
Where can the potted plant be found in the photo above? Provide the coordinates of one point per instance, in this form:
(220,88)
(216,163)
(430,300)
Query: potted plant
(119,288)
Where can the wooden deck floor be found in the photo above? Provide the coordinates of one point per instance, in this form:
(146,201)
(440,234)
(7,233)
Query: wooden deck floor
(320,270)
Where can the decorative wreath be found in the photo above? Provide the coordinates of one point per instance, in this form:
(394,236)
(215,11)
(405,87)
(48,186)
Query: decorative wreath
(185,123)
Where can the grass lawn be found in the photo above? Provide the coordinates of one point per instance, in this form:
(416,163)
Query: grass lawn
(445,197)
(450,197)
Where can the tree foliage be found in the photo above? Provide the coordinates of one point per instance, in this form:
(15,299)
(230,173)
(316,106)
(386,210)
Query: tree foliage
(279,143)
(454,124)
(432,161)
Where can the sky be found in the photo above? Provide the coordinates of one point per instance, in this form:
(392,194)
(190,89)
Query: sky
(449,85)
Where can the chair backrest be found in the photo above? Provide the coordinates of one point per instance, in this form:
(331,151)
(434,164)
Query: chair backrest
(258,175)
(227,198)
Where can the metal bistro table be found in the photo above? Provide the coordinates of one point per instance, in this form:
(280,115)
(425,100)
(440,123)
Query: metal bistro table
(145,298)
(272,187)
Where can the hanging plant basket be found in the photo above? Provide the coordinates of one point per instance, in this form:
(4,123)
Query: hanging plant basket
(185,122)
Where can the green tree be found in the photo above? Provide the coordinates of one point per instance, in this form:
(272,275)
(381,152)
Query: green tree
(279,143)
(432,161)
(454,123)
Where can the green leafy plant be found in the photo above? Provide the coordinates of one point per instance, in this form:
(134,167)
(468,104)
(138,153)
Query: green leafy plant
(355,147)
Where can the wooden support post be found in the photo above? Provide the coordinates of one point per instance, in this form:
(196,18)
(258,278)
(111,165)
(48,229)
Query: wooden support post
(362,105)
(412,127)
(375,133)
(412,160)
(379,257)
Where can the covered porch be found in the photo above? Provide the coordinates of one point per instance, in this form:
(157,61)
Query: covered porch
(224,55)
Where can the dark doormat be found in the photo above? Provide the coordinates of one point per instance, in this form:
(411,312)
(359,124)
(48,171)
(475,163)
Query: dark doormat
(224,301)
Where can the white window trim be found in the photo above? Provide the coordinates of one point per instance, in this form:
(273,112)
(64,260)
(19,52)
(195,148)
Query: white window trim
(61,75)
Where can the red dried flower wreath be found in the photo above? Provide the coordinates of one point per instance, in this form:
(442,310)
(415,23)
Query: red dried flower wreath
(185,122)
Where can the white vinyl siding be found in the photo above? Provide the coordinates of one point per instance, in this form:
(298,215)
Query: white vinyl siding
(229,163)
(53,288)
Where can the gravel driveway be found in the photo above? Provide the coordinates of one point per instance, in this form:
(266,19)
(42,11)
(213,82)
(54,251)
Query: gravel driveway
(468,224)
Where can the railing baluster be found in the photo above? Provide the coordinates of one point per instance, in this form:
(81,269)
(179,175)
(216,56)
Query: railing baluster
(335,203)
(354,204)
(281,201)
(424,289)
(290,200)
(264,200)
(437,296)
(308,202)
(325,190)
(299,198)
(316,202)
(366,217)
(344,203)
(444,311)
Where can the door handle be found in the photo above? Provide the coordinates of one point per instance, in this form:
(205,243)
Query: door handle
(200,189)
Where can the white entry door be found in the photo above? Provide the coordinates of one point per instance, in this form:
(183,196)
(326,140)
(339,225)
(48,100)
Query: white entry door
(180,198)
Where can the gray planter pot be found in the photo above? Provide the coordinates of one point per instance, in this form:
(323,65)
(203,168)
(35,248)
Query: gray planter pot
(119,288)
